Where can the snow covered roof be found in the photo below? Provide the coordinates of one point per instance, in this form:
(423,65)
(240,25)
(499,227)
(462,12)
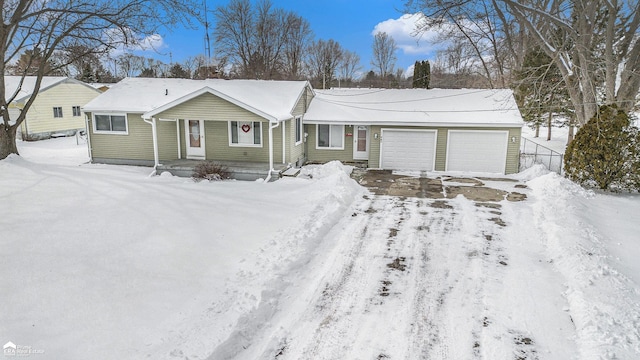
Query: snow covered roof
(274,100)
(13,82)
(432,107)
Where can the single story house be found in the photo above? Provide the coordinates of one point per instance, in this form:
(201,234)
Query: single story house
(171,123)
(467,130)
(269,126)
(56,109)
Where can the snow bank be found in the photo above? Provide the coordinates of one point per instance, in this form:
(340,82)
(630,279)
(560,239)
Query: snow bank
(103,261)
(289,251)
(604,304)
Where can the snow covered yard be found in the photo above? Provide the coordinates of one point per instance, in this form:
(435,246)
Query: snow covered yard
(104,262)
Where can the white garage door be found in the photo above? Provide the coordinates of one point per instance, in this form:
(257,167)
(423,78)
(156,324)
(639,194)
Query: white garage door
(477,151)
(408,149)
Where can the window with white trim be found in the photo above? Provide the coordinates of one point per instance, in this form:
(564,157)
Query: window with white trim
(330,136)
(57,112)
(245,133)
(76,110)
(110,123)
(299,130)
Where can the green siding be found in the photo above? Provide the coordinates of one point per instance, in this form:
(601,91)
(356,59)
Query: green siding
(167,140)
(324,155)
(137,145)
(513,151)
(209,107)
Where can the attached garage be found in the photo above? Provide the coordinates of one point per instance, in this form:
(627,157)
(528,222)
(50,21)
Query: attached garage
(477,151)
(407,149)
(457,130)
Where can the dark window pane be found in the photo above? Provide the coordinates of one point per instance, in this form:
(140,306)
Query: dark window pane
(256,133)
(119,123)
(323,135)
(234,132)
(103,123)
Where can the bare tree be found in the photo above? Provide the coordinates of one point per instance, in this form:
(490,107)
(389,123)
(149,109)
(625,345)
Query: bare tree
(299,36)
(488,35)
(323,58)
(384,57)
(594,44)
(53,25)
(349,65)
(256,40)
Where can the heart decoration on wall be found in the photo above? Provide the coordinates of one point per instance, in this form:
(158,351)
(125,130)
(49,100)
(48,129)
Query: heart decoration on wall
(246,128)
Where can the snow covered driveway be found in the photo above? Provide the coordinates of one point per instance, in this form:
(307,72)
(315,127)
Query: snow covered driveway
(413,278)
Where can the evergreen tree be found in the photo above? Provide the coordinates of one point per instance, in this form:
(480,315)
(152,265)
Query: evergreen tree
(421,74)
(605,152)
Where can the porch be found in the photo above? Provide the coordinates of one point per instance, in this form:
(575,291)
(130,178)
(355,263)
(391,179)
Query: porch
(239,170)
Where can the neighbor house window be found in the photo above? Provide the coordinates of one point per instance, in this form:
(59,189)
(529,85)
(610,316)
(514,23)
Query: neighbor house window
(104,123)
(76,110)
(57,112)
(331,136)
(299,130)
(245,133)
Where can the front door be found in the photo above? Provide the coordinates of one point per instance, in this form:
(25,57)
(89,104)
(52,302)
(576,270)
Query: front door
(361,142)
(194,131)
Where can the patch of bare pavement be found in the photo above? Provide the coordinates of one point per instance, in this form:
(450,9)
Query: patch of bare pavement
(385,182)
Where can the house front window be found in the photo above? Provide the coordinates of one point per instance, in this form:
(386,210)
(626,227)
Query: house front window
(299,130)
(245,133)
(76,110)
(330,137)
(110,124)
(57,112)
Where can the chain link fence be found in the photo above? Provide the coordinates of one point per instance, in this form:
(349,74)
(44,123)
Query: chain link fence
(532,153)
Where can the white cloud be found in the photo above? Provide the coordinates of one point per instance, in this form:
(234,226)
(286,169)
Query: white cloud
(153,43)
(404,31)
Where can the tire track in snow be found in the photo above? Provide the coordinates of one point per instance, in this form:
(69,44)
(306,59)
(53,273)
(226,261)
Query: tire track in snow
(405,279)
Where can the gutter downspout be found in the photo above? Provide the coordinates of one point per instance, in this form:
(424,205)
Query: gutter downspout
(271,169)
(88,129)
(284,144)
(154,132)
(179,143)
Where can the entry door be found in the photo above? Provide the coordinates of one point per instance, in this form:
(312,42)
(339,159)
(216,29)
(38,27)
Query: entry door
(194,131)
(361,143)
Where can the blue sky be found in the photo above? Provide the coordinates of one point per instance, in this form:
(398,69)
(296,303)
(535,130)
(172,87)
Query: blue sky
(350,22)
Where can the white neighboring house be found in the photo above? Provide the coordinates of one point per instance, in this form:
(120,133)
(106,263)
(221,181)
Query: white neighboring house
(56,109)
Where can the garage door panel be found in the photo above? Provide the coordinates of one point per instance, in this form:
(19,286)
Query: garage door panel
(477,151)
(407,150)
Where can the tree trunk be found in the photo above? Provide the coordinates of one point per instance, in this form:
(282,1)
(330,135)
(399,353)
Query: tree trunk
(537,130)
(8,141)
(570,134)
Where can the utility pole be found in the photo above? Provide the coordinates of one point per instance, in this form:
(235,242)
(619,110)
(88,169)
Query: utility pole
(207,45)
